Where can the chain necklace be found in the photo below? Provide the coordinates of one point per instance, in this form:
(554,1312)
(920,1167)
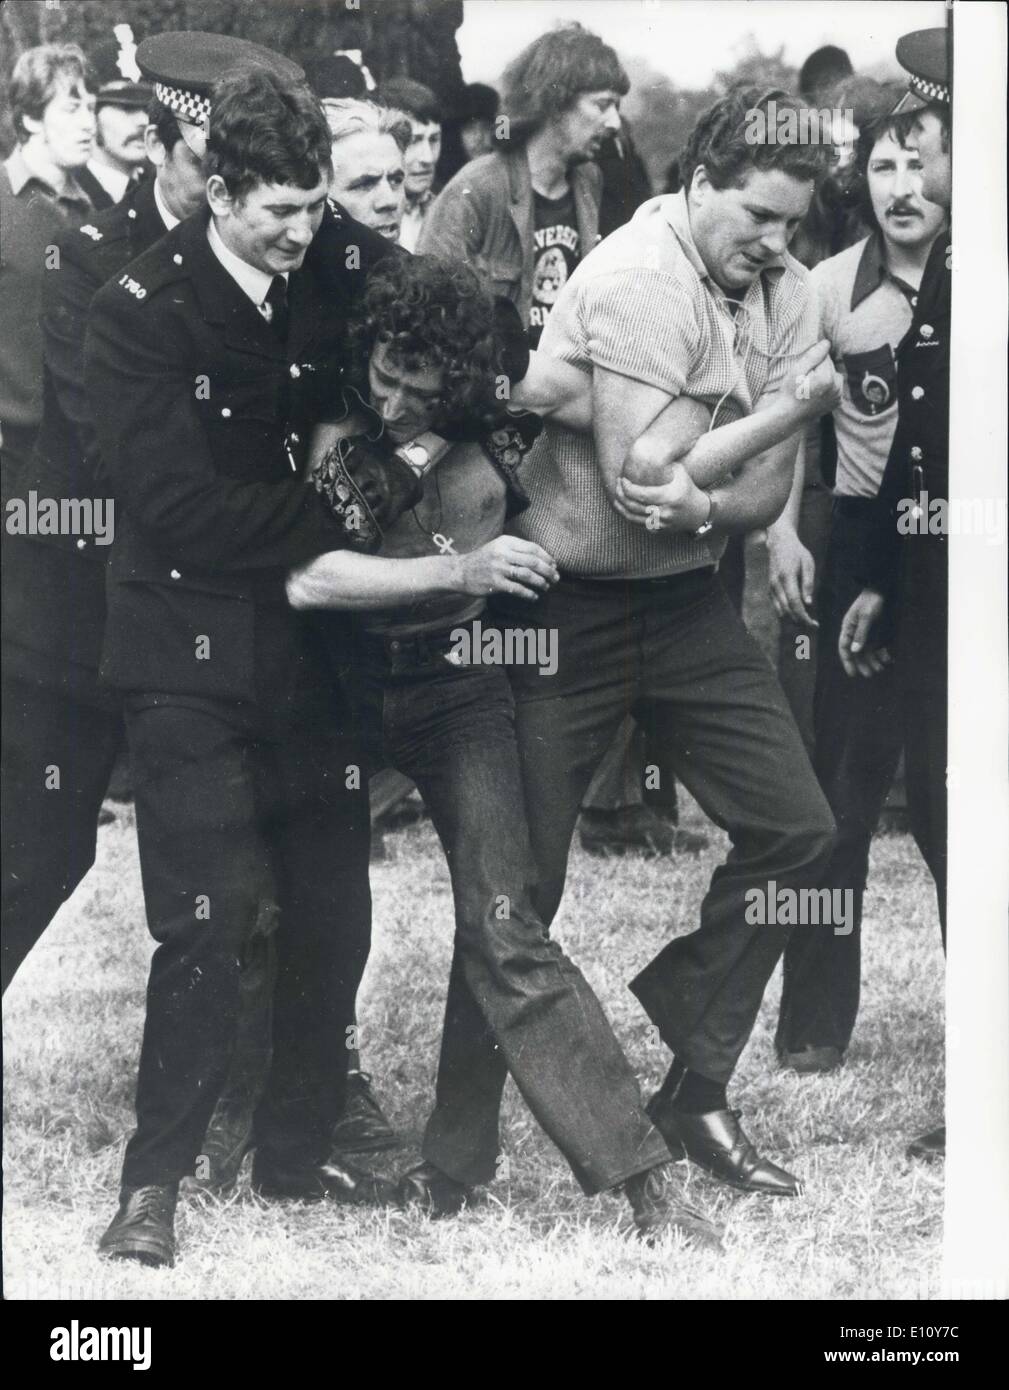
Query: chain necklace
(445,544)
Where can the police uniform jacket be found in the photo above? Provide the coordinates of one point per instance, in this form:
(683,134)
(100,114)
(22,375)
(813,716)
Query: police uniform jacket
(910,566)
(54,602)
(202,417)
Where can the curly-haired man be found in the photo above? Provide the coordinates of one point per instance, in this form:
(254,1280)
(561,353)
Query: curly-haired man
(432,698)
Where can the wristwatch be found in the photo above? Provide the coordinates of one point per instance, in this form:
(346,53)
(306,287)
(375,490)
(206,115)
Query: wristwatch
(423,452)
(708,524)
(415,455)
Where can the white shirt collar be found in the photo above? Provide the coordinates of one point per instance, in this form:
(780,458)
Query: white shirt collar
(255,283)
(114,181)
(167,216)
(413,221)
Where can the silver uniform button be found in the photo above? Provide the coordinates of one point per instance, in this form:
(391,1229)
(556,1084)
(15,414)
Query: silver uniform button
(295,370)
(926,330)
(295,438)
(915,452)
(132,212)
(175,574)
(914,301)
(917,392)
(177,258)
(225,411)
(81,544)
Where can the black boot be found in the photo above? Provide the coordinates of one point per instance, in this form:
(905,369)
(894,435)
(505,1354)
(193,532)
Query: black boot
(144,1226)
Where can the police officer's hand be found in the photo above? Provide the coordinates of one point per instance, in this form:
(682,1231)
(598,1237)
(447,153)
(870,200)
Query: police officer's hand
(791,573)
(507,565)
(813,384)
(858,656)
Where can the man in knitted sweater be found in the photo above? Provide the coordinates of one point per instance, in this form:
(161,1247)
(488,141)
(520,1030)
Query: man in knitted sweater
(695,300)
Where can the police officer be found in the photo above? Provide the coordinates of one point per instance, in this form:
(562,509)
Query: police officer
(206,360)
(56,713)
(121,102)
(905,574)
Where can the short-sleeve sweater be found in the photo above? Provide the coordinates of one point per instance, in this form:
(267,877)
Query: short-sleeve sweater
(643,305)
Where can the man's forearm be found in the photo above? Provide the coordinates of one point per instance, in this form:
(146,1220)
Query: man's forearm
(754,498)
(346,579)
(790,514)
(717,453)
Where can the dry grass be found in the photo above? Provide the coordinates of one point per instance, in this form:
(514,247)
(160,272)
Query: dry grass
(869,1225)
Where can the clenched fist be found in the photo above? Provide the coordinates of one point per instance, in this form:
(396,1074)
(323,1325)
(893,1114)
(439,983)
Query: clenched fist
(813,383)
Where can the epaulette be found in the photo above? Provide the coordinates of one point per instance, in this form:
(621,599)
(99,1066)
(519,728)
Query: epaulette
(160,265)
(111,225)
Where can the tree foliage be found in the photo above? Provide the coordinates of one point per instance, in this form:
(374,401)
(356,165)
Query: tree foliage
(414,38)
(662,114)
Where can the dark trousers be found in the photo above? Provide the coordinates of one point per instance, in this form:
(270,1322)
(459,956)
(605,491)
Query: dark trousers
(516,1003)
(859,736)
(676,654)
(798,660)
(924,710)
(619,780)
(246,825)
(59,747)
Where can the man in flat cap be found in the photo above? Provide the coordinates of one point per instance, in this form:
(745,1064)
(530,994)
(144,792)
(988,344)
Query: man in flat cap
(206,360)
(121,102)
(903,605)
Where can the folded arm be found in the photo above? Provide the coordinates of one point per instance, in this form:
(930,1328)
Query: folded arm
(740,475)
(556,391)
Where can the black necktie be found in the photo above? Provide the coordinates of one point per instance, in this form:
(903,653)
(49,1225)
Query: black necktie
(276,297)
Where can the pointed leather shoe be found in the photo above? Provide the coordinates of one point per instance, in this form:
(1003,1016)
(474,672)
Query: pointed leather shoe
(144,1226)
(716,1142)
(929,1147)
(656,1199)
(331,1181)
(427,1187)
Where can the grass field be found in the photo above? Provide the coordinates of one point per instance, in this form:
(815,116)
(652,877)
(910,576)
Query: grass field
(868,1226)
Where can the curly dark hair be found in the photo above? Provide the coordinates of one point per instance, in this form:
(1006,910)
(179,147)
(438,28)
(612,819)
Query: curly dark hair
(719,140)
(550,74)
(432,313)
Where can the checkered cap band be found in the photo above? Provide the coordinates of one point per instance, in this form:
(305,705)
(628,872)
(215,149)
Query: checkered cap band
(188,106)
(928,91)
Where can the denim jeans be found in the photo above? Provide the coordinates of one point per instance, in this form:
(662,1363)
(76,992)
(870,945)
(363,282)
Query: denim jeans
(858,742)
(675,653)
(516,1003)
